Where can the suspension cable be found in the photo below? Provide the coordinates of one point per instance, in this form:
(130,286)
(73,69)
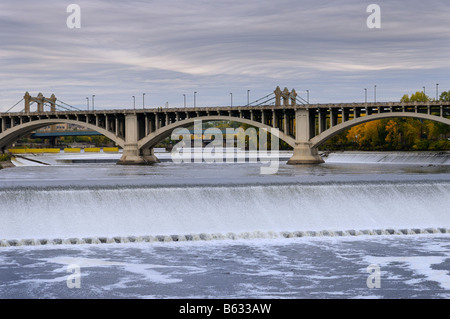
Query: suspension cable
(70,105)
(14,105)
(264,97)
(301,100)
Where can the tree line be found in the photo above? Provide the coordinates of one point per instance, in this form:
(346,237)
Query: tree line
(396,134)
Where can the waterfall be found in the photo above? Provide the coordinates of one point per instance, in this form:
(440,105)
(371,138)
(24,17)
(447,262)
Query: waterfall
(114,214)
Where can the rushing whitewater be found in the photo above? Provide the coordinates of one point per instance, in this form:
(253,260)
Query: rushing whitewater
(136,211)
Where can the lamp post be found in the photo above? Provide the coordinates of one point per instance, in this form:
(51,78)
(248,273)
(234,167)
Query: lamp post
(87,99)
(195,102)
(365,99)
(248,97)
(134,102)
(375,93)
(424,94)
(437,91)
(231,94)
(143,101)
(93,102)
(307,96)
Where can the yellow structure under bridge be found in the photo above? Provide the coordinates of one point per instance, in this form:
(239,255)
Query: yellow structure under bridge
(66,150)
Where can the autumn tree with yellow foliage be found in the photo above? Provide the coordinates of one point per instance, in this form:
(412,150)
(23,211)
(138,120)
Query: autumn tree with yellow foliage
(397,133)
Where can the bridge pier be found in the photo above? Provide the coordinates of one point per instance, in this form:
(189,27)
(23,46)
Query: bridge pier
(149,156)
(132,154)
(304,153)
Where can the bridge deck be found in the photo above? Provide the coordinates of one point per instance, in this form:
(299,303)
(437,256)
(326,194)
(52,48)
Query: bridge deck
(237,108)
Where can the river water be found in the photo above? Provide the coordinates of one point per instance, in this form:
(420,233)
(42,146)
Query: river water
(362,225)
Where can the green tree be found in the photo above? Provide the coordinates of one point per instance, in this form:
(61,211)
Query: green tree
(445,96)
(415,97)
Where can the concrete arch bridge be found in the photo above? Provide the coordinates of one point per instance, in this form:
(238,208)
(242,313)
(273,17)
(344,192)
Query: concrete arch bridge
(303,126)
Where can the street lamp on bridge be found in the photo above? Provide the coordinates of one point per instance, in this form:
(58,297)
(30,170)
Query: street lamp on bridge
(87,101)
(93,102)
(437,91)
(248,97)
(143,101)
(231,94)
(195,102)
(134,102)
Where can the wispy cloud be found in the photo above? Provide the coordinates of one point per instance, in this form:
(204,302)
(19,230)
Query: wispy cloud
(170,48)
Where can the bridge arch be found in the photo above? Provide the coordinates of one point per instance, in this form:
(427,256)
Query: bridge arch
(157,136)
(320,139)
(9,136)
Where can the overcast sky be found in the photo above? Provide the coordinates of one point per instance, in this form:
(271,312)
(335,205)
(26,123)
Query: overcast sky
(169,48)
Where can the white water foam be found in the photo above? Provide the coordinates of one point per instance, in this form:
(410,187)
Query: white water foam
(414,158)
(419,264)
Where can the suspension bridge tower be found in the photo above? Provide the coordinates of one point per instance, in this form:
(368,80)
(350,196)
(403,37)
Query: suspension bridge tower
(39,100)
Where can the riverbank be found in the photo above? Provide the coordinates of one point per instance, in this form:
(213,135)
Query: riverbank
(6,164)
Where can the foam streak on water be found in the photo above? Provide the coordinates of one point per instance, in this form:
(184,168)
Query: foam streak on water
(99,215)
(418,158)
